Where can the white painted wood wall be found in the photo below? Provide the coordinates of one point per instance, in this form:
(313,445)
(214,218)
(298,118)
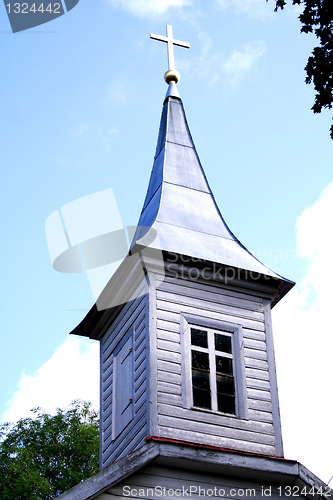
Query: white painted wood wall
(144,482)
(159,408)
(218,302)
(132,317)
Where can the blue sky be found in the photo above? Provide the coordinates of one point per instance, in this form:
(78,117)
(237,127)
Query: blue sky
(81,99)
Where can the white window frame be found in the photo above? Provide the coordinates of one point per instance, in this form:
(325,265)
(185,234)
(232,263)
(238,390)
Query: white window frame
(214,326)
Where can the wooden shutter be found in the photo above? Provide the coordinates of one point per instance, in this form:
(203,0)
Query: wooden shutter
(123,393)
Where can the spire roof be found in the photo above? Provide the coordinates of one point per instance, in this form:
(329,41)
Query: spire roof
(180,205)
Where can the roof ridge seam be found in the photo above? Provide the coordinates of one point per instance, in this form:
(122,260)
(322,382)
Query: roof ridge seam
(152,196)
(173,184)
(155,157)
(172,97)
(194,230)
(186,187)
(178,144)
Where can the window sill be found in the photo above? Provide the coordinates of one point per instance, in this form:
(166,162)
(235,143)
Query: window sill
(212,412)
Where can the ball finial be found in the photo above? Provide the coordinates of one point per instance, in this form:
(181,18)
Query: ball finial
(172,76)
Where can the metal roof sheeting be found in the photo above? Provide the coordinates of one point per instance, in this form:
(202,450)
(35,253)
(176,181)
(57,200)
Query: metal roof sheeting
(179,203)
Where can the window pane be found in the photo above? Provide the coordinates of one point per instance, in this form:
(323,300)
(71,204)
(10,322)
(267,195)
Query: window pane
(200,379)
(224,365)
(199,337)
(226,404)
(201,398)
(222,343)
(200,360)
(225,384)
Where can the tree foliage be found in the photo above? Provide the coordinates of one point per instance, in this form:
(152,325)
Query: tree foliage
(317,17)
(45,455)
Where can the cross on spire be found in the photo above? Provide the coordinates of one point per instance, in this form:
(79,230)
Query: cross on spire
(171,42)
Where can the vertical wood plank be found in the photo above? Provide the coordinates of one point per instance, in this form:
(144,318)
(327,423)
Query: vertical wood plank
(152,356)
(273,379)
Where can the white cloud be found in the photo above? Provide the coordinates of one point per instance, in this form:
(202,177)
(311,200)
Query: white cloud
(304,344)
(117,93)
(208,61)
(242,61)
(253,8)
(93,133)
(71,373)
(81,130)
(315,241)
(144,8)
(216,66)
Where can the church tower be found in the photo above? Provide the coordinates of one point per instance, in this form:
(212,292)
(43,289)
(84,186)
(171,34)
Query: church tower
(190,358)
(188,378)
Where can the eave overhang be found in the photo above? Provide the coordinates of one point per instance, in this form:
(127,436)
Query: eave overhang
(266,470)
(121,288)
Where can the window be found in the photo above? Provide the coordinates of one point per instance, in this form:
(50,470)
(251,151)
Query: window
(213,382)
(213,371)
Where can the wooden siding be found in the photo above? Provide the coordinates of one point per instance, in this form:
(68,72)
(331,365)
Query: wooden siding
(154,482)
(175,296)
(132,320)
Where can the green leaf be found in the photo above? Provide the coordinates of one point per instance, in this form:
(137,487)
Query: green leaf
(45,455)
